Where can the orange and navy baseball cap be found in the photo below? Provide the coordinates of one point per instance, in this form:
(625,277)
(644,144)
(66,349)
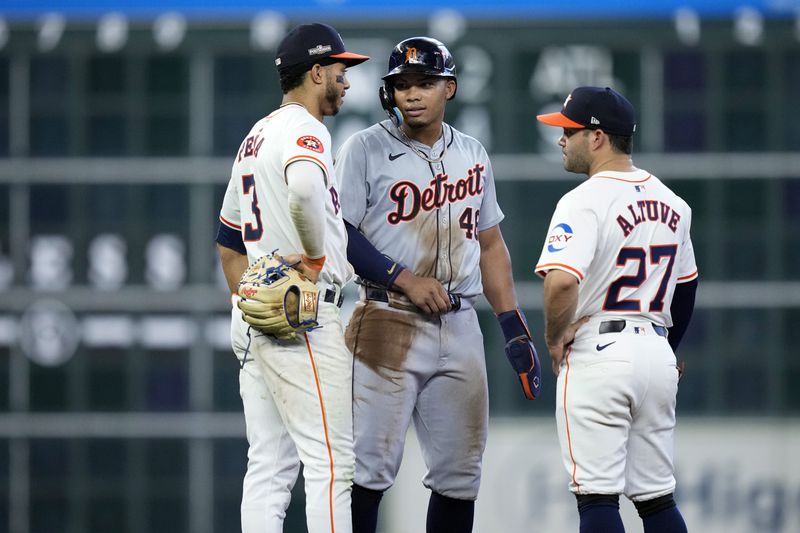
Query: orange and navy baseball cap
(309,44)
(599,108)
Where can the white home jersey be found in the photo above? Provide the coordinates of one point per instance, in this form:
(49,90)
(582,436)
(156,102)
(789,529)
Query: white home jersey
(625,236)
(256,200)
(434,211)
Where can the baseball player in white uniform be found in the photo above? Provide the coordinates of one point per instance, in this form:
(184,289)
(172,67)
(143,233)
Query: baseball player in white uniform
(620,280)
(283,196)
(422,218)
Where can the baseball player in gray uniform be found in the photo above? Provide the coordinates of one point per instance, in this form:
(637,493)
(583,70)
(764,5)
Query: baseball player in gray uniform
(419,204)
(620,280)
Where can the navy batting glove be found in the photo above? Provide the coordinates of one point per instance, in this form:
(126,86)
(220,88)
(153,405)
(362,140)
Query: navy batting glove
(520,352)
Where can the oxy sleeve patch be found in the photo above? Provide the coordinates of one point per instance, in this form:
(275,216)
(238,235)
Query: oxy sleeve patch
(311,143)
(559,237)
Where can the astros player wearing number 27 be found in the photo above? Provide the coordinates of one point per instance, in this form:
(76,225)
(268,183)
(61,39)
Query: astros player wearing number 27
(620,281)
(282,196)
(422,218)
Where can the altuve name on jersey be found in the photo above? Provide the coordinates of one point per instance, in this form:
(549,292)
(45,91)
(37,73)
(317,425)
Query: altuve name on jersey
(409,199)
(648,211)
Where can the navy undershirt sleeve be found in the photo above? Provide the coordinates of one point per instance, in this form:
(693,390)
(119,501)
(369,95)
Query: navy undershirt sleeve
(230,238)
(367,261)
(681,310)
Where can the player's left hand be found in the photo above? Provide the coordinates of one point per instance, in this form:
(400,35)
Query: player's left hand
(521,352)
(523,358)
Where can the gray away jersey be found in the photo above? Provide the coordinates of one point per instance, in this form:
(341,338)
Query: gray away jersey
(426,216)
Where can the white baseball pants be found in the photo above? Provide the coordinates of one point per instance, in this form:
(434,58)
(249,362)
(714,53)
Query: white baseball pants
(297,398)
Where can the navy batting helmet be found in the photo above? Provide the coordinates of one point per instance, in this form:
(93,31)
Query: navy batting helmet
(421,55)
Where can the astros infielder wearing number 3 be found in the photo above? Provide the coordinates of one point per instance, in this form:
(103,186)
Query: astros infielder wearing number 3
(282,196)
(619,293)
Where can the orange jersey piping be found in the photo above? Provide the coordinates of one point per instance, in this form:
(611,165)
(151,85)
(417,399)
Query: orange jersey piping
(309,158)
(549,266)
(566,423)
(229,223)
(325,427)
(620,179)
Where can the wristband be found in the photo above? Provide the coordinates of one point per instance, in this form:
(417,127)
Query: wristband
(314,264)
(514,324)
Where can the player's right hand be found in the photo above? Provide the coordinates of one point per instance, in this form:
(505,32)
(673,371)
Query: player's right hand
(558,349)
(296,260)
(426,293)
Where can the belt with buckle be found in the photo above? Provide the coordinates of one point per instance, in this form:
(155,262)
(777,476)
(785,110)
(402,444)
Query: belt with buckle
(330,297)
(615,326)
(376,294)
(382,295)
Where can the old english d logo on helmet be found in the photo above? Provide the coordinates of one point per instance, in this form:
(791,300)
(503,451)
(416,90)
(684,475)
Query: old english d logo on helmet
(421,55)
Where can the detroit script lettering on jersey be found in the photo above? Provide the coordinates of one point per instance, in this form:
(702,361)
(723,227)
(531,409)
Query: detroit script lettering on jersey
(650,210)
(409,199)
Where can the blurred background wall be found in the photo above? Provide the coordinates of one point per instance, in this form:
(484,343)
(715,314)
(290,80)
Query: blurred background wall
(119,406)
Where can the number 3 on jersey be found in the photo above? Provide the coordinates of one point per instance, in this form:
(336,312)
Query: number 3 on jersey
(251,233)
(657,253)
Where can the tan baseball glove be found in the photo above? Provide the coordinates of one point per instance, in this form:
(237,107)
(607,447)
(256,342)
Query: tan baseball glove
(276,299)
